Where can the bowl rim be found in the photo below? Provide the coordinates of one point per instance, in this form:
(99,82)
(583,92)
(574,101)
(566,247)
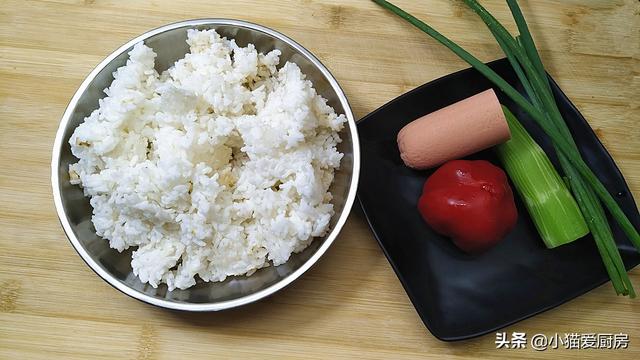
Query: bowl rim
(246,299)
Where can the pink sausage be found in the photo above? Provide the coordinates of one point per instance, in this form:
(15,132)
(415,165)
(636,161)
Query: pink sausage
(458,130)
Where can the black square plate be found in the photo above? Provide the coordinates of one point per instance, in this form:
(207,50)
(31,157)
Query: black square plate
(459,296)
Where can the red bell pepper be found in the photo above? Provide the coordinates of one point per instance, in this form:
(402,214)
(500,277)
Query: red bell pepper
(471,202)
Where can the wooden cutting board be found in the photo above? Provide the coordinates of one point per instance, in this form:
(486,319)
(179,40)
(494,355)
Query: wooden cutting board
(350,304)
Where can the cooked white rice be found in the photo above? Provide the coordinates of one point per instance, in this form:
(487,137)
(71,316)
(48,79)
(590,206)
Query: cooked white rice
(216,167)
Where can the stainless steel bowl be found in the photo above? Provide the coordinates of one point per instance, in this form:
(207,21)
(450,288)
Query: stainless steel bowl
(74,210)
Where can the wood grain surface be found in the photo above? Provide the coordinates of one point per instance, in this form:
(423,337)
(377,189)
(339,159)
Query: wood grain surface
(350,305)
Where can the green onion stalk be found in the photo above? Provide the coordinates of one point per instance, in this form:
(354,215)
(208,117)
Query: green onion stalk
(553,210)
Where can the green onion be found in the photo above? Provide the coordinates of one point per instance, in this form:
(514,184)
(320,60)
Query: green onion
(525,51)
(591,209)
(589,192)
(552,208)
(553,123)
